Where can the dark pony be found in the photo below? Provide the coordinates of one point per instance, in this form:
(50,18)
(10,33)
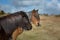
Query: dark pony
(13,24)
(34,17)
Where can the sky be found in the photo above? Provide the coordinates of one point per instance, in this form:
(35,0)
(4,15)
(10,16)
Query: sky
(44,6)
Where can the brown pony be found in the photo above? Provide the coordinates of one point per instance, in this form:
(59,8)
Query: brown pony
(13,24)
(34,17)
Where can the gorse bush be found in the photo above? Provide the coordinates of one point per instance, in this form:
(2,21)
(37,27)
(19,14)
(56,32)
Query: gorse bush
(45,14)
(57,15)
(2,12)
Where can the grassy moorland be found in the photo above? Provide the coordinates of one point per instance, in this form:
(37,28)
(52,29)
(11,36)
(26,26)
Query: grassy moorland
(49,30)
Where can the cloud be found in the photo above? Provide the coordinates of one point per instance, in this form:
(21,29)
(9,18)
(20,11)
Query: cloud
(25,3)
(16,5)
(44,6)
(7,8)
(52,7)
(28,4)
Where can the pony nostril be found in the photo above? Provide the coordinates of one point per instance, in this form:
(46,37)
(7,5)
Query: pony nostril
(28,27)
(31,27)
(38,24)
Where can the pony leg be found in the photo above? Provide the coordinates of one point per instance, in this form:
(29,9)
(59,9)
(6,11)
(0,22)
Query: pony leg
(16,33)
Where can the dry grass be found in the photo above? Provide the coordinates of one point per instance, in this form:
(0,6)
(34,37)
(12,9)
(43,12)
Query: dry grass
(49,30)
(4,15)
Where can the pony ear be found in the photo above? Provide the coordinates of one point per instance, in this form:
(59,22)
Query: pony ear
(37,10)
(33,10)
